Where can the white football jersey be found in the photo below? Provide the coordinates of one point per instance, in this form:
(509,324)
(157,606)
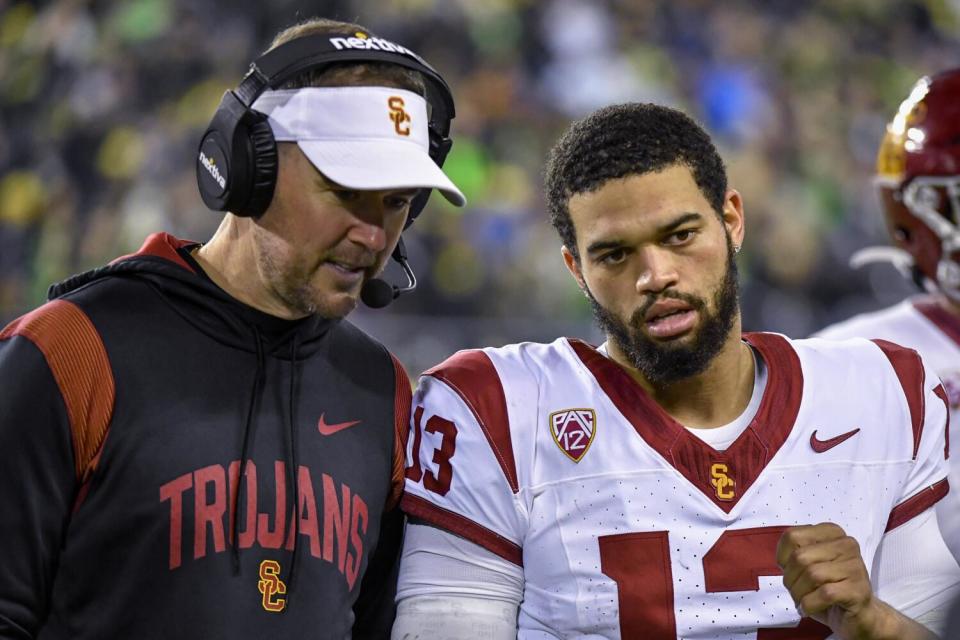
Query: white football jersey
(921,324)
(625,524)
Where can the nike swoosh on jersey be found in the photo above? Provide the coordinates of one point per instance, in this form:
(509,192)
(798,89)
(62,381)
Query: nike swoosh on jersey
(825,445)
(330,429)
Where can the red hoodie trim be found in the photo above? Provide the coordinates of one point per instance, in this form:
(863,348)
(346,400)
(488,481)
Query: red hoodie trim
(402,400)
(161,245)
(78,361)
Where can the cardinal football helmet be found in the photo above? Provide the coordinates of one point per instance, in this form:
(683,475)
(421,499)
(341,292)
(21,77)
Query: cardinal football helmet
(918,179)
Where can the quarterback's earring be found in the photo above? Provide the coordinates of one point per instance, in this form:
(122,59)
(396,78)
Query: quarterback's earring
(736,249)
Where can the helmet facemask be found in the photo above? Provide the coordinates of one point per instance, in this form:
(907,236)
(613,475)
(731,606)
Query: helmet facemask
(934,201)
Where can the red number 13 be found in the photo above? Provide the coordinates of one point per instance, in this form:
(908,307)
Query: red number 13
(439,483)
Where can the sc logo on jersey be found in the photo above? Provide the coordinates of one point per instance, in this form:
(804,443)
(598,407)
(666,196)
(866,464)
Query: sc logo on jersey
(271,586)
(573,431)
(722,483)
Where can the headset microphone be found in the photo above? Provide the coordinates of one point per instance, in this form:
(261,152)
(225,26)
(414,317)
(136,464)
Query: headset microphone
(377,293)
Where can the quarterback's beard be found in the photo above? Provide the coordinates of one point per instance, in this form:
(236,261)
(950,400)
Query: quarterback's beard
(663,363)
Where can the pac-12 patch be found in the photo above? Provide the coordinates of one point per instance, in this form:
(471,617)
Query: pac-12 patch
(573,431)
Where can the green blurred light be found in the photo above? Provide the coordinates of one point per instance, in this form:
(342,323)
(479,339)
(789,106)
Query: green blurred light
(22,197)
(122,153)
(15,22)
(468,167)
(142,19)
(458,271)
(24,81)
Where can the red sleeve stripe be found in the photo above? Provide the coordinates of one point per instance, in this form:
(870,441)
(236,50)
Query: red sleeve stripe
(78,361)
(401,417)
(909,368)
(942,394)
(473,377)
(464,527)
(912,507)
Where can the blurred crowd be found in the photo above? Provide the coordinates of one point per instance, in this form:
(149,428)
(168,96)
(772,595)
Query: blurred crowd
(102,105)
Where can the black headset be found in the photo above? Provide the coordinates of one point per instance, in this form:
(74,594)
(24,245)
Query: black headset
(237,159)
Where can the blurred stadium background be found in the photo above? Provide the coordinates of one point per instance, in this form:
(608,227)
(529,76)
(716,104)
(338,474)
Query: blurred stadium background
(102,104)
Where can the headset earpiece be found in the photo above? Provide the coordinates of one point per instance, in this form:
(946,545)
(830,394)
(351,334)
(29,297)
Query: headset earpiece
(263,149)
(237,163)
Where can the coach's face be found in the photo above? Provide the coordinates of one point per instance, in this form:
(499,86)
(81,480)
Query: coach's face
(657,264)
(318,242)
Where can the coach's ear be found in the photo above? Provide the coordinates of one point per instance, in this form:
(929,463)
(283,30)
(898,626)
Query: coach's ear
(573,266)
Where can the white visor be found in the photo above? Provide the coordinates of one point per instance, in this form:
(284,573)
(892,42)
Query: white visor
(367,138)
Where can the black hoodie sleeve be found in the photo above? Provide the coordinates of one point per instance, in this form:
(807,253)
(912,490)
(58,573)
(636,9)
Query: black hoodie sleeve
(37,484)
(375,607)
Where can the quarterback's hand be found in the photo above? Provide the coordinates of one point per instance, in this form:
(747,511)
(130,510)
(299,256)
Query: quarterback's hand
(825,574)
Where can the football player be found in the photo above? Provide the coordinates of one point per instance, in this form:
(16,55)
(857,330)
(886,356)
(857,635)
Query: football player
(684,479)
(918,179)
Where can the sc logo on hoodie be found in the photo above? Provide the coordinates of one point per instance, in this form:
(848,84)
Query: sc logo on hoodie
(271,586)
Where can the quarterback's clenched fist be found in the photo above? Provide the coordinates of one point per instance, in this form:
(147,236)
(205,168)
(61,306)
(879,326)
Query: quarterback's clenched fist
(825,574)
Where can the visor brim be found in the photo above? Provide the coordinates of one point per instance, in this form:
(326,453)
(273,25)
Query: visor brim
(378,165)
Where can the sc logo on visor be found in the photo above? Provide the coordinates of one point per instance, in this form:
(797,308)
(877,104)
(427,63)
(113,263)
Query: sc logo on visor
(398,115)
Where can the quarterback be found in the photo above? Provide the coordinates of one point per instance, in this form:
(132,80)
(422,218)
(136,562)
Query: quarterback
(684,479)
(918,179)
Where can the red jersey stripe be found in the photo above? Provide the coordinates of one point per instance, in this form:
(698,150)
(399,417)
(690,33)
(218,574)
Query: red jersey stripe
(920,502)
(909,368)
(473,377)
(465,528)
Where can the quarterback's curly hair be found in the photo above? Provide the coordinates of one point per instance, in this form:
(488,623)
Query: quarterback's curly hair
(623,140)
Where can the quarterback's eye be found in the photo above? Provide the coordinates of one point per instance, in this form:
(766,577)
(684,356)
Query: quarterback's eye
(613,257)
(681,237)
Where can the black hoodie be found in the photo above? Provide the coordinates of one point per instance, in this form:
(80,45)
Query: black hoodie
(131,404)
